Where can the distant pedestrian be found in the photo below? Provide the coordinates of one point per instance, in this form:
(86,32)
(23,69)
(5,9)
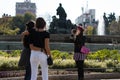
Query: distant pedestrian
(79,57)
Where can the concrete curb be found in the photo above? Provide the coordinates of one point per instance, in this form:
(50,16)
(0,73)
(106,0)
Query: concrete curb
(88,76)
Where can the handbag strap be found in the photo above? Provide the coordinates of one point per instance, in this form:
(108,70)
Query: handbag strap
(44,50)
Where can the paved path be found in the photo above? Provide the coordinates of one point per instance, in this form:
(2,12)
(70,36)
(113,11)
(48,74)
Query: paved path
(88,76)
(109,79)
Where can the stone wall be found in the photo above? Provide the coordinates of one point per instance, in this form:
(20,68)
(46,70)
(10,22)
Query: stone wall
(66,38)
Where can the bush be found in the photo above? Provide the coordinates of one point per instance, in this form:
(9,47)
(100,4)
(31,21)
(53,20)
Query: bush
(105,54)
(56,54)
(94,64)
(8,63)
(3,53)
(15,53)
(61,64)
(109,59)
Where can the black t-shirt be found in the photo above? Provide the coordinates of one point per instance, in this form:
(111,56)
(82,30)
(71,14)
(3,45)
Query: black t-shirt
(79,42)
(38,38)
(26,39)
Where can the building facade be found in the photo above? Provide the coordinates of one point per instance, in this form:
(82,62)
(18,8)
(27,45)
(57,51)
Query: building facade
(87,18)
(26,6)
(90,24)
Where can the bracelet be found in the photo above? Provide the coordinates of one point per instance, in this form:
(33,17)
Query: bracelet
(48,55)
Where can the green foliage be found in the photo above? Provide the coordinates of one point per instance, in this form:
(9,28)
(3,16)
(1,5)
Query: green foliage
(8,63)
(105,54)
(28,16)
(112,25)
(56,54)
(61,64)
(115,28)
(18,22)
(14,25)
(4,54)
(100,59)
(5,27)
(11,32)
(94,64)
(89,30)
(15,53)
(110,63)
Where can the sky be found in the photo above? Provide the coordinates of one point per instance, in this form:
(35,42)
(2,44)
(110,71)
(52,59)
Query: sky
(72,7)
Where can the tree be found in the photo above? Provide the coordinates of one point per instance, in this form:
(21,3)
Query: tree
(89,30)
(19,21)
(115,28)
(15,25)
(28,16)
(5,27)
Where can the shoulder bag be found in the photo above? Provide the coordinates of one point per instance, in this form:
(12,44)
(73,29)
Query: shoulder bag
(85,50)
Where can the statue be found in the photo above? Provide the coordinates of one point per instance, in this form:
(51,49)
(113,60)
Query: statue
(106,22)
(60,25)
(61,12)
(111,17)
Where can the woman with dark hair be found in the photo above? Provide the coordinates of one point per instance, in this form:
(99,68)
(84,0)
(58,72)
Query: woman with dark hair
(40,50)
(79,57)
(25,55)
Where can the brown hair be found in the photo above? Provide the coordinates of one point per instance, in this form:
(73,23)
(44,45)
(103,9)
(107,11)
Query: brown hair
(40,23)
